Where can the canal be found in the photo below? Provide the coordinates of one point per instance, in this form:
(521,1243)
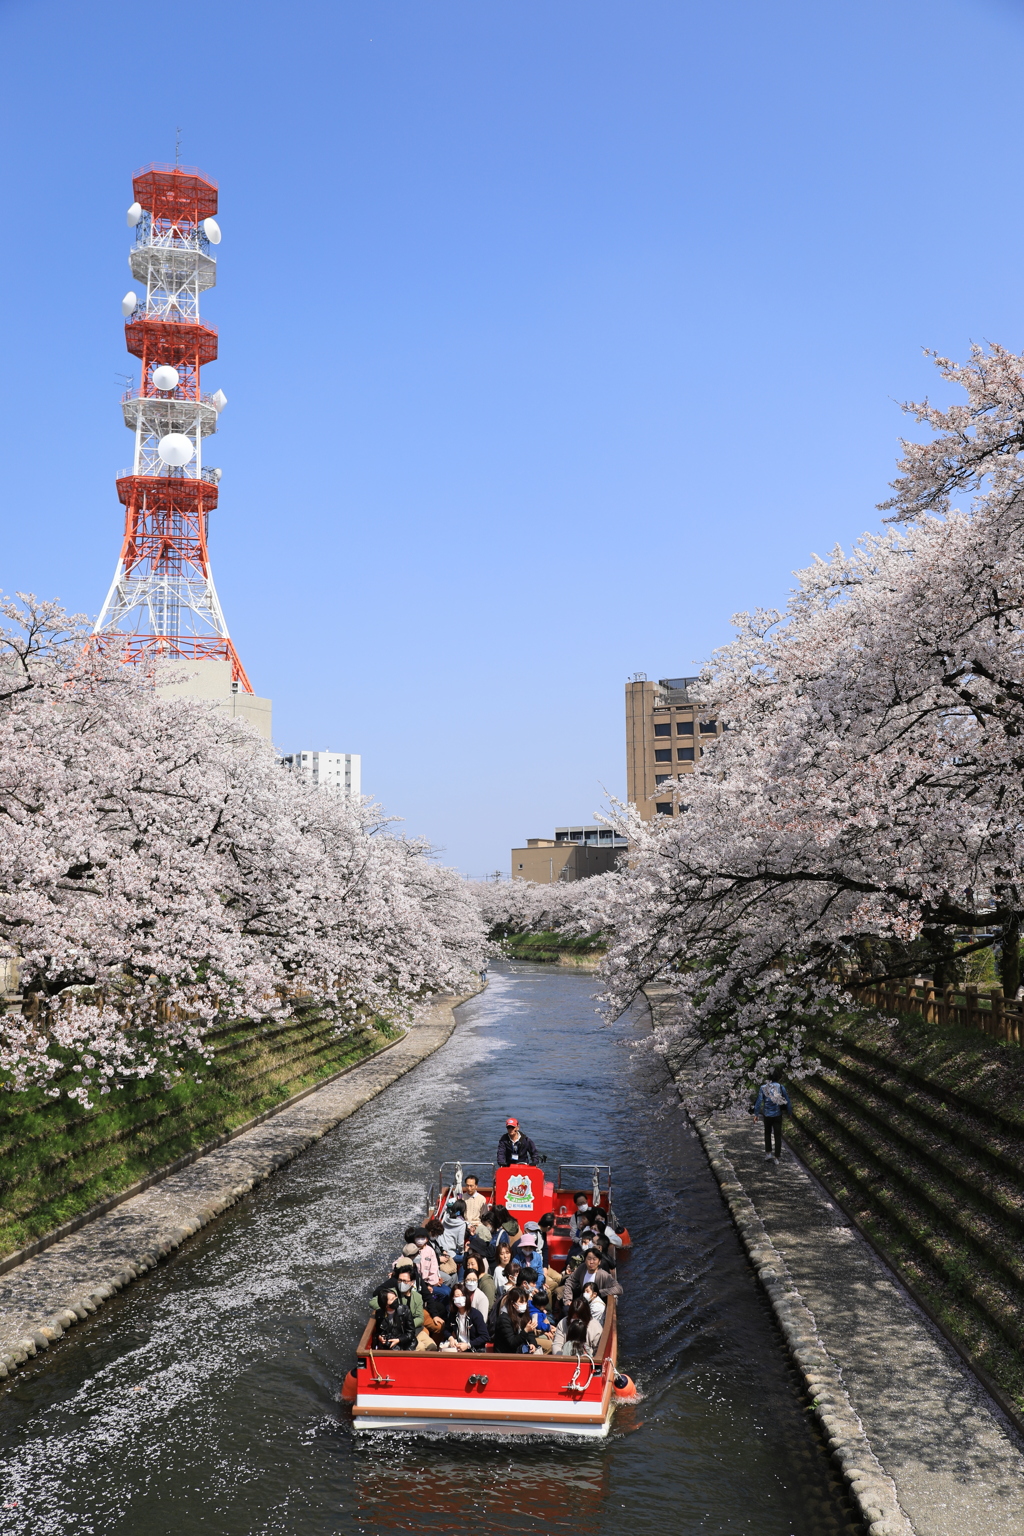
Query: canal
(203,1401)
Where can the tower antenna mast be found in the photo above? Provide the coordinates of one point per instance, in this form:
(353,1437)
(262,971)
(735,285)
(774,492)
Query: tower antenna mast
(162,601)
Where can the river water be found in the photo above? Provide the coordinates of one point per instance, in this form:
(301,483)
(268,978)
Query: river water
(203,1401)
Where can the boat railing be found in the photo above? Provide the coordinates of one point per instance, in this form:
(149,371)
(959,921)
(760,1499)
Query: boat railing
(606,1343)
(598,1174)
(458,1168)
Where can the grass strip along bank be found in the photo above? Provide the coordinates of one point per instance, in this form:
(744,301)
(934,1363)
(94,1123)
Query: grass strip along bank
(58,1160)
(552,946)
(917,1130)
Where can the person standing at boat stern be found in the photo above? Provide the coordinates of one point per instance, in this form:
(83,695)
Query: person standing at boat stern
(514,1147)
(772,1103)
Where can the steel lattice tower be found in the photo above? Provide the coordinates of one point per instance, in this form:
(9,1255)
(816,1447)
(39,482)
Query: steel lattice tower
(162,601)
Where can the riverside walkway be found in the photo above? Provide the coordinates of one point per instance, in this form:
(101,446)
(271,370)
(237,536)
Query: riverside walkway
(956,1463)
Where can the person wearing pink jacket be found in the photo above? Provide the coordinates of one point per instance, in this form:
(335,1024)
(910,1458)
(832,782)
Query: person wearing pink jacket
(426,1263)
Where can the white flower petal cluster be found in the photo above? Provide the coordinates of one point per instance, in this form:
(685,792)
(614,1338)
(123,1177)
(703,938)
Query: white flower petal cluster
(526,906)
(160,872)
(864,811)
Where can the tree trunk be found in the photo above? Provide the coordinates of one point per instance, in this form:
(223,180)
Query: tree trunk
(1009,959)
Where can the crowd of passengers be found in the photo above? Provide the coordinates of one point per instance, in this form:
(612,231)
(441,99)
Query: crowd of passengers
(476,1277)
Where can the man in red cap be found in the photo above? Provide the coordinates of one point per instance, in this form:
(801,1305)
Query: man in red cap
(514,1147)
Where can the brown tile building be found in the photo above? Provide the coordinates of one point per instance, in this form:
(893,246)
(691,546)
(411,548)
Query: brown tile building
(572,854)
(664,733)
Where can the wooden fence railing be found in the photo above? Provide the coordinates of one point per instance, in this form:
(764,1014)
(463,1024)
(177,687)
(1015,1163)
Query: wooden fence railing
(986,1008)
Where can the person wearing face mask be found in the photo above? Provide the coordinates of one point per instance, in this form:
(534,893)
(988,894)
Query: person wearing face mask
(579,1249)
(538,1303)
(604,1229)
(504,1264)
(596,1307)
(476,1265)
(394,1326)
(593,1299)
(590,1272)
(478,1297)
(464,1329)
(515,1330)
(581,1217)
(426,1262)
(402,1277)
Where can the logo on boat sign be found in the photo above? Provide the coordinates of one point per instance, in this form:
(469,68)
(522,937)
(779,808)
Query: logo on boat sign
(519,1193)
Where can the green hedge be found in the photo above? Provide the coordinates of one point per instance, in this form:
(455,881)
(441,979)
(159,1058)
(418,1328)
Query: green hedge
(57,1159)
(918,1132)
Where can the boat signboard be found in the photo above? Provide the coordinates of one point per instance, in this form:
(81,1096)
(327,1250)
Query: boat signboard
(520,1189)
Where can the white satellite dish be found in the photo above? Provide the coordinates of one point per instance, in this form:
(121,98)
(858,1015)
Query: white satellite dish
(134,215)
(129,304)
(166,377)
(211,229)
(219,401)
(175,449)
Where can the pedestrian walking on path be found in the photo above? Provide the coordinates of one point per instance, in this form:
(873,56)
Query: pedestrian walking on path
(772,1103)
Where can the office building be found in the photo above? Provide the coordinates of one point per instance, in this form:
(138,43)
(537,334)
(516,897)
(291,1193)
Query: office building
(572,854)
(339,772)
(666,732)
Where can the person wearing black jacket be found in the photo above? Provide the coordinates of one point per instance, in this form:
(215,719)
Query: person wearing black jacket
(395,1328)
(464,1329)
(515,1332)
(514,1147)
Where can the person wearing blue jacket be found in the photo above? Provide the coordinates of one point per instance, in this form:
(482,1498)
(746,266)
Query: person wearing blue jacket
(772,1103)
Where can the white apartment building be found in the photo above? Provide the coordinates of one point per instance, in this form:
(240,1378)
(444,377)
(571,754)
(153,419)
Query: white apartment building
(340,772)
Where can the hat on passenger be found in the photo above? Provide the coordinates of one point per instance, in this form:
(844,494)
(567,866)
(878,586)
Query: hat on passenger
(410,1250)
(510,1122)
(404,1263)
(528,1239)
(531,1226)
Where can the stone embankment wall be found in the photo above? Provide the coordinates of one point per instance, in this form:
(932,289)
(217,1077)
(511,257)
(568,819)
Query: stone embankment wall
(59,1160)
(919,1444)
(62,1285)
(556,948)
(918,1133)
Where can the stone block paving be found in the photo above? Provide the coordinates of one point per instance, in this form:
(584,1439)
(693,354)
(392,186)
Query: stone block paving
(57,1288)
(957,1465)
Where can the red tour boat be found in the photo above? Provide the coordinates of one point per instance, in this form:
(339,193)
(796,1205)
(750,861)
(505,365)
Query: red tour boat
(488,1392)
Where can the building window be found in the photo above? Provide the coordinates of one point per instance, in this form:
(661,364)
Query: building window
(708,728)
(663,730)
(520,866)
(684,754)
(684,727)
(664,808)
(660,778)
(663,755)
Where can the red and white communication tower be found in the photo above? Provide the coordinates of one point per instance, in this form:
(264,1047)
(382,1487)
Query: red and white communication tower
(162,601)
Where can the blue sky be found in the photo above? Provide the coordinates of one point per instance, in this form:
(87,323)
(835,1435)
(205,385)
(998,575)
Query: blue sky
(553,332)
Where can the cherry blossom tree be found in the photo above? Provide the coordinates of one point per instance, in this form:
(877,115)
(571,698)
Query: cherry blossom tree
(160,871)
(527,906)
(863,812)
